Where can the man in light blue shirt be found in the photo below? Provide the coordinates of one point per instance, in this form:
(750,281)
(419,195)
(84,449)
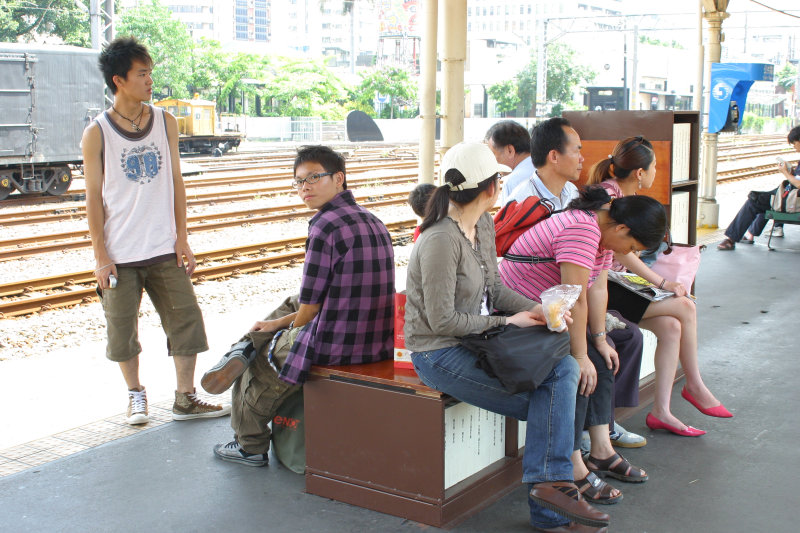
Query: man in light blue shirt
(555,153)
(510,144)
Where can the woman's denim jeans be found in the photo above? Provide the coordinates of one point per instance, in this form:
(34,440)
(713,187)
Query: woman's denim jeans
(549,410)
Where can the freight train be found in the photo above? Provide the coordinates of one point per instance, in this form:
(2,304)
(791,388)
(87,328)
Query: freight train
(48,95)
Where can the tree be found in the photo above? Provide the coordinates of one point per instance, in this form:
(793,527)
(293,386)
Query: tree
(303,88)
(505,95)
(563,74)
(391,82)
(787,76)
(29,20)
(169,43)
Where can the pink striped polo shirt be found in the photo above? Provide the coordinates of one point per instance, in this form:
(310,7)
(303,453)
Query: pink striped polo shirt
(571,236)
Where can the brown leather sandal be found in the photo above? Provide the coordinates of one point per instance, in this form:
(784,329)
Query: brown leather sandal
(617,467)
(726,245)
(596,490)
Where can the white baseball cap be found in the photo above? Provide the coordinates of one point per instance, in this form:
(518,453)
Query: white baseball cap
(475,161)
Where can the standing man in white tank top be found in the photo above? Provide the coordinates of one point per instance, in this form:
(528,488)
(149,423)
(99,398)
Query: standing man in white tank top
(136,207)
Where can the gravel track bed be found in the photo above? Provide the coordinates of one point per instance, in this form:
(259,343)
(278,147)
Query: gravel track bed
(64,328)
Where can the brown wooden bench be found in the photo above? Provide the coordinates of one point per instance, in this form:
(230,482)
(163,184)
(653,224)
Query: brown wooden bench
(378,438)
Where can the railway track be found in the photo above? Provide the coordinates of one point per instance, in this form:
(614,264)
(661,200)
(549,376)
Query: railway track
(276,165)
(54,242)
(47,215)
(75,288)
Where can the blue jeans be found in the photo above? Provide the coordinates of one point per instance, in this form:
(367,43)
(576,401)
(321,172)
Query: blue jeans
(549,410)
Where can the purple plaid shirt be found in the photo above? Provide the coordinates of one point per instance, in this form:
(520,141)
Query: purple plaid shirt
(349,269)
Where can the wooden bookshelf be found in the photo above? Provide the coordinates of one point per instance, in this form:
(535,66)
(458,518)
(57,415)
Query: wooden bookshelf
(601,130)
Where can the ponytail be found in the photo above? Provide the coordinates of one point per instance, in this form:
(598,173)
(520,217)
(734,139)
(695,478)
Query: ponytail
(437,207)
(439,203)
(591,198)
(630,154)
(600,172)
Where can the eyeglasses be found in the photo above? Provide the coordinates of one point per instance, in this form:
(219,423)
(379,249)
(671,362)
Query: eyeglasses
(310,179)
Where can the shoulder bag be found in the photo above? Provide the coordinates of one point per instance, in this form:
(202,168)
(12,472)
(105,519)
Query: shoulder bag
(521,358)
(679,262)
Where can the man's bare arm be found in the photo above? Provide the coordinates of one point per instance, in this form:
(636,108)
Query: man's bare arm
(303,316)
(92,146)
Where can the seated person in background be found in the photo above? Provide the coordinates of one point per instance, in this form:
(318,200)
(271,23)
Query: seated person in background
(418,199)
(510,143)
(750,220)
(673,320)
(452,285)
(582,240)
(556,154)
(344,313)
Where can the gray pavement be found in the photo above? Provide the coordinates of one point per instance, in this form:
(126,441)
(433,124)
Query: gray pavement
(738,477)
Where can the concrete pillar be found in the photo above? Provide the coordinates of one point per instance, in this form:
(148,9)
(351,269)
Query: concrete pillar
(698,87)
(707,208)
(427,91)
(454,55)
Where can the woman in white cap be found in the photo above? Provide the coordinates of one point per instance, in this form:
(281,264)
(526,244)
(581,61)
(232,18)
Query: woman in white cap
(452,288)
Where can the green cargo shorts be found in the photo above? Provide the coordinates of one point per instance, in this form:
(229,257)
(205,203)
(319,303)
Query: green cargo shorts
(172,294)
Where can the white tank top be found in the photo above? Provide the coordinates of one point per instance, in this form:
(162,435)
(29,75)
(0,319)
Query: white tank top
(138,193)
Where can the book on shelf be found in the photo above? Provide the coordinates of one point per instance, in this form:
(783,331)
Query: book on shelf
(639,285)
(681,151)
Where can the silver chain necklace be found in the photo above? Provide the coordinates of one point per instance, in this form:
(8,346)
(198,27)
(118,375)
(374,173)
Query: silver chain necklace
(133,122)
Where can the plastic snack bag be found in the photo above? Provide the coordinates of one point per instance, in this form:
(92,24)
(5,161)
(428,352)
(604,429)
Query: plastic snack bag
(556,301)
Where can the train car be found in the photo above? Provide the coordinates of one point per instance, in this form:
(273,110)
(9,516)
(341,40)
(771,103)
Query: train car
(48,95)
(197,126)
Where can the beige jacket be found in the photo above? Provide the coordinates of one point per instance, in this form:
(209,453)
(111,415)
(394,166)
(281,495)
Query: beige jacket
(445,286)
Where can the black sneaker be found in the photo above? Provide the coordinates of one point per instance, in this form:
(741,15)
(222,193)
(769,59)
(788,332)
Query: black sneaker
(234,453)
(229,368)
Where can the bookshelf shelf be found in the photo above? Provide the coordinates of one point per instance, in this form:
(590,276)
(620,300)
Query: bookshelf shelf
(676,140)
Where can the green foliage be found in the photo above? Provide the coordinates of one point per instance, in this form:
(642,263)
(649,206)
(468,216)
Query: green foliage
(563,74)
(753,123)
(387,81)
(25,20)
(505,95)
(658,42)
(302,88)
(787,76)
(169,43)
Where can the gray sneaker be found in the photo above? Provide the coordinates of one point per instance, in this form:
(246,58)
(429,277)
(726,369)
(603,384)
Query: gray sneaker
(229,368)
(234,453)
(625,439)
(777,231)
(137,407)
(188,406)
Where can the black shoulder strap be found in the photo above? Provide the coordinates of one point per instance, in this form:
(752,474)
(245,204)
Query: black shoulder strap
(530,259)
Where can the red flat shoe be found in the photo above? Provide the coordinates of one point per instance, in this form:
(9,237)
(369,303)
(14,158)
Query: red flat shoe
(718,411)
(654,423)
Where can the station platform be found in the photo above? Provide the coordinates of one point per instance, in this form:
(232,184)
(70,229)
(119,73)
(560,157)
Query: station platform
(105,476)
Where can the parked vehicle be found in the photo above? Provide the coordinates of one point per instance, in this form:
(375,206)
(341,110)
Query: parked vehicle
(48,95)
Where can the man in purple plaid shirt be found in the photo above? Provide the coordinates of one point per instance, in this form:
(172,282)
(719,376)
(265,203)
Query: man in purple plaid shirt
(344,313)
